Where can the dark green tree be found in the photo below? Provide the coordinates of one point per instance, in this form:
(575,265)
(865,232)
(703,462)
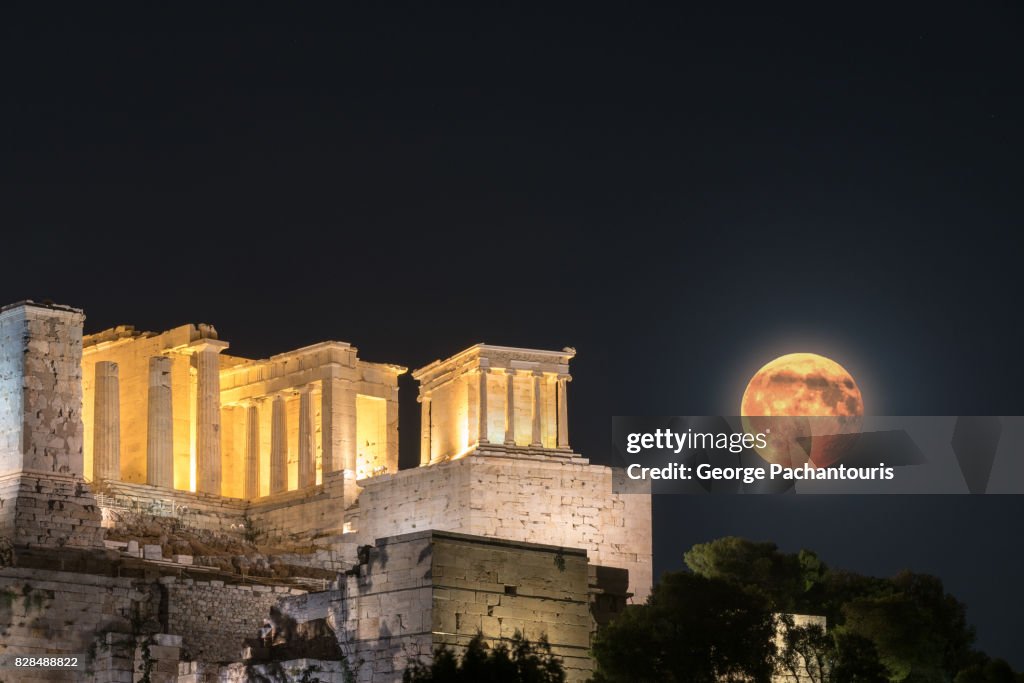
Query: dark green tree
(789,582)
(520,661)
(916,629)
(919,630)
(692,628)
(856,660)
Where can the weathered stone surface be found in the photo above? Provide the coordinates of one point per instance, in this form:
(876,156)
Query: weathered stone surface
(213,619)
(515,496)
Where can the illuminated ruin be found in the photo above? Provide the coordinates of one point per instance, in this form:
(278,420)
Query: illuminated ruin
(175,497)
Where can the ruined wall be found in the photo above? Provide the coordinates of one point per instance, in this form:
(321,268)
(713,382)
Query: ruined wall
(434,497)
(554,501)
(12,388)
(59,613)
(127,504)
(498,587)
(294,516)
(309,514)
(43,501)
(414,592)
(52,511)
(40,389)
(383,615)
(214,619)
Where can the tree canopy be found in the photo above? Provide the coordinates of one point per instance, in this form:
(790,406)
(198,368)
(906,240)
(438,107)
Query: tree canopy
(519,661)
(726,617)
(693,628)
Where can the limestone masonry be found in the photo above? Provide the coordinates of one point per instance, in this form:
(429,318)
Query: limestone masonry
(172,512)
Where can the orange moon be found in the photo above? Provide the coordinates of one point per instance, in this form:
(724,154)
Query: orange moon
(810,405)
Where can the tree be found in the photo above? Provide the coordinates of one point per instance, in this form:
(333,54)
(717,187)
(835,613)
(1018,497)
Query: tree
(519,662)
(789,582)
(691,629)
(856,660)
(917,631)
(920,631)
(985,670)
(807,652)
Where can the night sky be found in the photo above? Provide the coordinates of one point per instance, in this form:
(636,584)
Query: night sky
(680,195)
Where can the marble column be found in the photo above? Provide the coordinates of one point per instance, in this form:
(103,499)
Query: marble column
(278,446)
(535,440)
(160,425)
(424,429)
(251,485)
(563,411)
(208,436)
(510,407)
(307,428)
(106,448)
(482,434)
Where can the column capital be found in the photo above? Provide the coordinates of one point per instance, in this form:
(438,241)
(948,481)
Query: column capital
(537,373)
(562,377)
(206,345)
(509,371)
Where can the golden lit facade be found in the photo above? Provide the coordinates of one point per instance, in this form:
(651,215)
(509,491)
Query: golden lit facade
(493,398)
(174,409)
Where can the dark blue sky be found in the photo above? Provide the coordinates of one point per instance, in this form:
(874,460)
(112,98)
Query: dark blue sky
(681,194)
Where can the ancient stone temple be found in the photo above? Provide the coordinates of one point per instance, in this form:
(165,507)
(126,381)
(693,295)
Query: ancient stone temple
(171,510)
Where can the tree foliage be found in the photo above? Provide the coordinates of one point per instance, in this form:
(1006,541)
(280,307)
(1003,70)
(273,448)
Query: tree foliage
(693,629)
(906,628)
(519,661)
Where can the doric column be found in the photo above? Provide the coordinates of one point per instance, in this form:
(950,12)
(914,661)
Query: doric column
(307,452)
(510,407)
(278,446)
(482,438)
(535,441)
(251,486)
(563,411)
(424,429)
(160,425)
(208,469)
(106,449)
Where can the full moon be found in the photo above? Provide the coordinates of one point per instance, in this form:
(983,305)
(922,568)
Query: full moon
(810,405)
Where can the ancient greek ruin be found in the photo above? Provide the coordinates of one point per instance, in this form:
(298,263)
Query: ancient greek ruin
(172,511)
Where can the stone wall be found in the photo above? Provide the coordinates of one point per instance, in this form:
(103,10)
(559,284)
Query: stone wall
(415,592)
(214,619)
(125,503)
(60,613)
(54,511)
(40,389)
(43,500)
(309,514)
(291,517)
(383,614)
(499,587)
(535,499)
